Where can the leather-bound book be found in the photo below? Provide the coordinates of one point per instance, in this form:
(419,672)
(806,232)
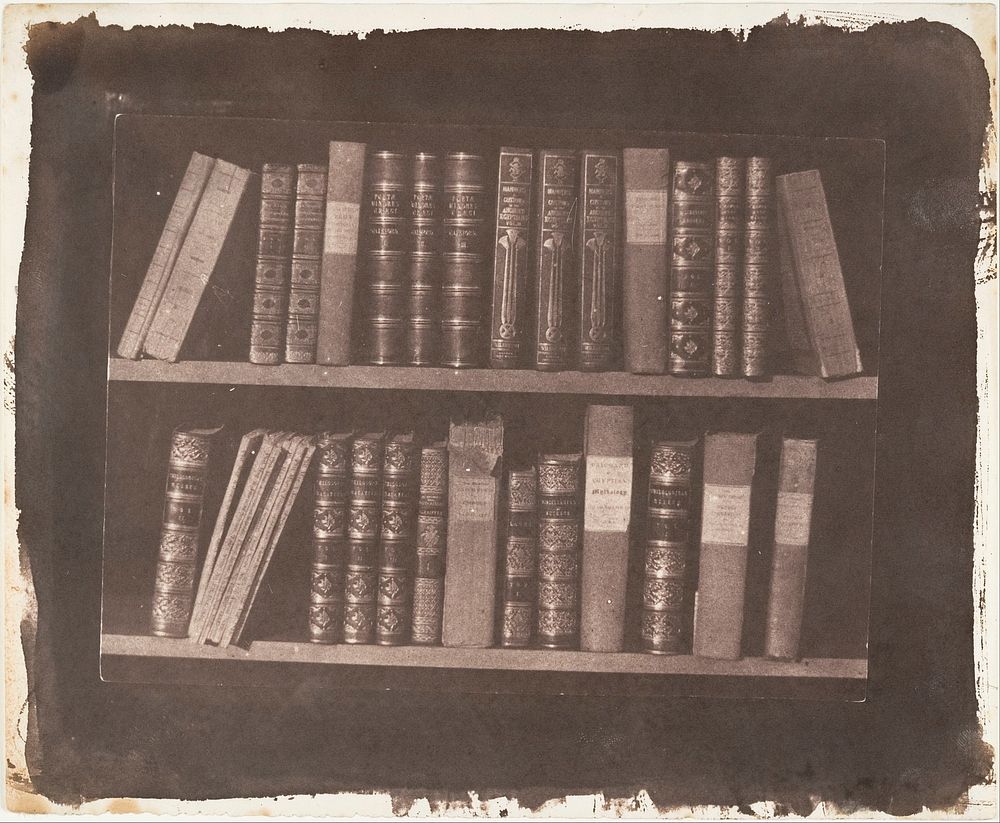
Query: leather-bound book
(599,260)
(554,238)
(465,266)
(668,546)
(423,325)
(396,541)
(339,268)
(792,522)
(607,515)
(385,242)
(363,522)
(329,561)
(692,225)
(307,254)
(184,497)
(760,268)
(509,323)
(520,561)
(730,460)
(432,533)
(646,260)
(560,527)
(727,310)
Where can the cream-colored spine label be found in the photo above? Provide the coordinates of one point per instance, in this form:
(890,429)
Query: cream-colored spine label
(608,494)
(726,515)
(793,517)
(342,222)
(473,498)
(646,217)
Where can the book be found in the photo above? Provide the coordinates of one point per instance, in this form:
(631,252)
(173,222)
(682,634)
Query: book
(559,538)
(692,227)
(273,265)
(424,278)
(400,473)
(607,516)
(555,246)
(645,264)
(598,260)
(729,466)
(475,450)
(668,546)
(464,264)
(759,268)
(339,262)
(432,533)
(792,522)
(815,278)
(307,254)
(730,196)
(329,543)
(520,560)
(511,259)
(364,520)
(184,498)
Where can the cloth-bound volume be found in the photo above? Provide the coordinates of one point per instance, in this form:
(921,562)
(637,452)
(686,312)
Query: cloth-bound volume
(307,253)
(329,561)
(607,514)
(432,532)
(509,324)
(730,461)
(792,522)
(760,268)
(363,522)
(668,544)
(424,279)
(173,590)
(646,260)
(730,196)
(560,529)
(520,559)
(475,449)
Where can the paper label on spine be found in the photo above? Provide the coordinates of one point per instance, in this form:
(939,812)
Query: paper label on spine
(646,217)
(791,523)
(726,515)
(342,222)
(473,498)
(608,494)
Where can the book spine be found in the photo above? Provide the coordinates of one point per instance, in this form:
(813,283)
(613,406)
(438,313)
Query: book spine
(668,543)
(607,515)
(424,281)
(555,248)
(598,260)
(173,589)
(722,562)
(396,545)
(798,346)
(274,264)
(646,173)
(730,196)
(340,253)
(329,562)
(385,257)
(759,268)
(432,533)
(364,519)
(559,533)
(792,522)
(509,320)
(307,254)
(520,559)
(465,267)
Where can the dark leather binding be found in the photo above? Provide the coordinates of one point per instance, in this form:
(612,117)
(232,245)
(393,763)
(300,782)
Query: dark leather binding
(423,327)
(307,253)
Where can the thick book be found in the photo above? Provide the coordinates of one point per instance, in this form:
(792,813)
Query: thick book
(339,264)
(692,227)
(432,533)
(560,530)
(730,200)
(329,538)
(554,238)
(364,520)
(400,473)
(646,260)
(607,516)
(520,559)
(509,322)
(792,522)
(307,254)
(817,279)
(475,449)
(729,465)
(424,275)
(760,269)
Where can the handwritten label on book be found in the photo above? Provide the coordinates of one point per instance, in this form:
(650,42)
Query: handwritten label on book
(726,516)
(791,523)
(608,494)
(646,217)
(473,498)
(342,221)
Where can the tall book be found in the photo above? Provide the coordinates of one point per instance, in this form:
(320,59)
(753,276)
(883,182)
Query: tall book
(760,271)
(813,282)
(645,265)
(329,560)
(184,498)
(396,541)
(424,280)
(730,461)
(339,265)
(363,521)
(692,225)
(668,545)
(792,522)
(599,260)
(555,246)
(432,533)
(307,255)
(475,449)
(559,537)
(520,561)
(511,259)
(607,515)
(464,275)
(730,197)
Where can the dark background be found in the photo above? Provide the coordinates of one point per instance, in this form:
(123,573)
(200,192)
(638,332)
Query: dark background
(920,87)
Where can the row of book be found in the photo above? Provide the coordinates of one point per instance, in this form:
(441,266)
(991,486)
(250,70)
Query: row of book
(595,260)
(408,541)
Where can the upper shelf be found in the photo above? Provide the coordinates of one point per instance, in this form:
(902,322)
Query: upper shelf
(489,380)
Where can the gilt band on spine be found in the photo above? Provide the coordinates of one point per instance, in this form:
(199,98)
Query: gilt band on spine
(559,541)
(520,559)
(396,549)
(326,589)
(364,519)
(432,533)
